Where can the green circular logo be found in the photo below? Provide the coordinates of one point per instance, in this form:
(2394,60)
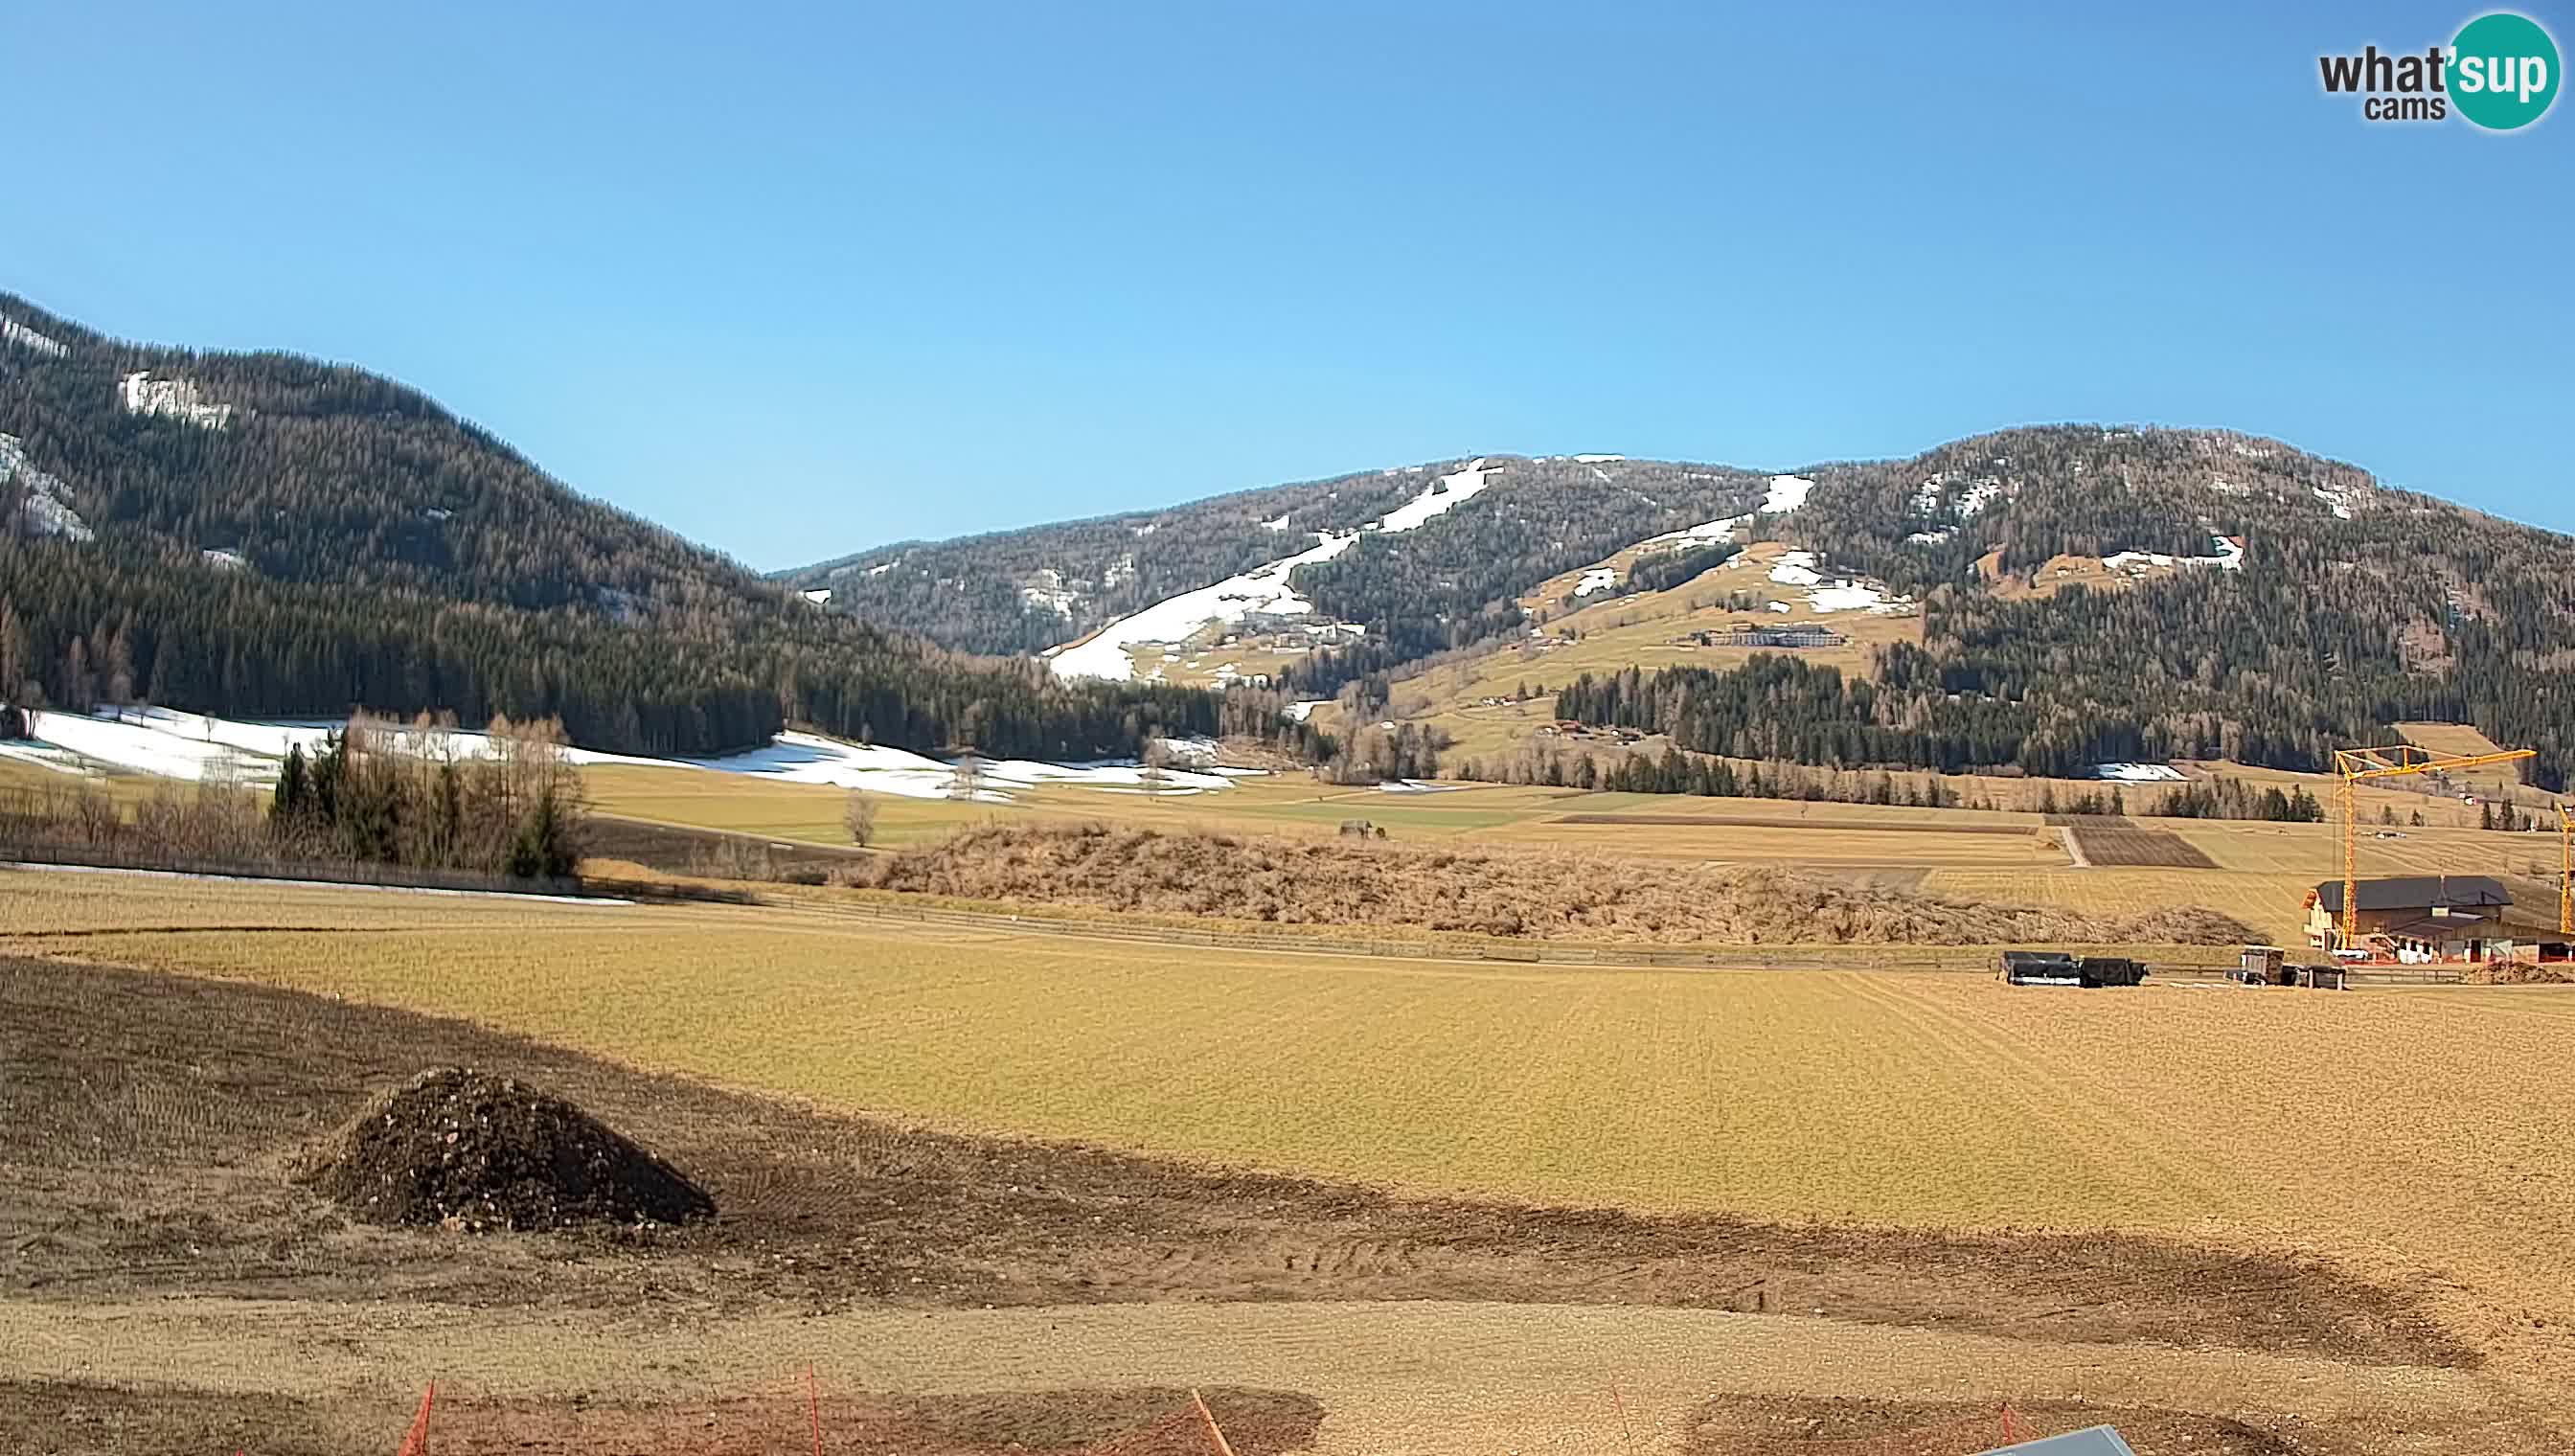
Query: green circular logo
(2504,71)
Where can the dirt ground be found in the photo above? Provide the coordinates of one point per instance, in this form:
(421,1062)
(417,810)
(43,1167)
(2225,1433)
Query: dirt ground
(75,1419)
(2109,839)
(164,1286)
(158,1116)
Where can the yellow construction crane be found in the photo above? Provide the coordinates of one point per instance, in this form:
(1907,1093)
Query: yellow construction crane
(2565,871)
(2356,764)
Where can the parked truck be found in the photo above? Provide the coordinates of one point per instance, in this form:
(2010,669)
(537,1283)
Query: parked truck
(2062,968)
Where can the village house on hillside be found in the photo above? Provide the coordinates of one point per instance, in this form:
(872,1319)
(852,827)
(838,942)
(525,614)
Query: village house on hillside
(2444,917)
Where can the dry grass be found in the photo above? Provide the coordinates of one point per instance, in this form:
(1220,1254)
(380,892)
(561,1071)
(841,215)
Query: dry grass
(2447,738)
(2417,1136)
(1827,1097)
(1635,631)
(1545,896)
(1914,1100)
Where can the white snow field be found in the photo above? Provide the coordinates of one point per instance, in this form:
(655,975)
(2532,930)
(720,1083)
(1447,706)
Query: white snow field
(1598,579)
(1264,589)
(1839,594)
(1705,530)
(1439,498)
(2140,772)
(192,748)
(177,398)
(13,332)
(1788,492)
(2229,558)
(49,508)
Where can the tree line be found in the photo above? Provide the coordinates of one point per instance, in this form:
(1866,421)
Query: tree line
(343,543)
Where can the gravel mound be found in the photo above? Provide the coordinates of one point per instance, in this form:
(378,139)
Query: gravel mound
(476,1152)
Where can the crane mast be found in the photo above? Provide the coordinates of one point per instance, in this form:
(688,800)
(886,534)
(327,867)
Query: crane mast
(2358,766)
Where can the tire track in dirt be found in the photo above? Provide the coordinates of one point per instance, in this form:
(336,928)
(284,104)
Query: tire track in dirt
(2083,1116)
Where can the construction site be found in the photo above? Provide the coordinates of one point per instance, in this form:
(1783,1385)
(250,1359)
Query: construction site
(2440,918)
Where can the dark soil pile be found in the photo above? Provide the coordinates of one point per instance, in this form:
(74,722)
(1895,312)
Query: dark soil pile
(477,1153)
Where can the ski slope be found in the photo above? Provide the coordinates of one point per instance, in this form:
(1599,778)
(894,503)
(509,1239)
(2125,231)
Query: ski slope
(1265,589)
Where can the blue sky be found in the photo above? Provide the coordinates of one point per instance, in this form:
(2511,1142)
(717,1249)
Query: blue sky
(796,281)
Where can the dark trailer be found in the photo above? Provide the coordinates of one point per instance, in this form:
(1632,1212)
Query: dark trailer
(2058,968)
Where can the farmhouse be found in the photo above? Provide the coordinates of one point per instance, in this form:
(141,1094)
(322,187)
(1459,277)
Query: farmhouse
(1747,635)
(2443,917)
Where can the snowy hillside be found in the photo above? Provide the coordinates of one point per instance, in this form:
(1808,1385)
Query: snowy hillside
(192,748)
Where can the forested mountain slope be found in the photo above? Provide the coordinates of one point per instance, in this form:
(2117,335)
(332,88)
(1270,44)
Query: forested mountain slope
(2300,606)
(263,534)
(2087,594)
(1442,582)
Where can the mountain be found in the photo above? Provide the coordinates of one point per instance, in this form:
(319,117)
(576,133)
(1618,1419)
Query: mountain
(269,534)
(1430,576)
(2084,595)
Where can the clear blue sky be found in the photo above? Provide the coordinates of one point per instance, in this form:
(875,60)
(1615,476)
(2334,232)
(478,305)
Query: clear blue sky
(796,281)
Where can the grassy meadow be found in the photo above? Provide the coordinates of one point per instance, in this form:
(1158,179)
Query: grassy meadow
(1916,1099)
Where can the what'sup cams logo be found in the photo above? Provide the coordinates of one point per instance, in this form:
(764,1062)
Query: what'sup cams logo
(2499,73)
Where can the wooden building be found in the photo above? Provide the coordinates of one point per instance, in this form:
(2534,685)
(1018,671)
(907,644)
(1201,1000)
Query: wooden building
(2422,917)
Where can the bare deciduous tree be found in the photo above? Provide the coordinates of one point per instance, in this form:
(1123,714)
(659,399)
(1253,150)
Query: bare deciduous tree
(859,817)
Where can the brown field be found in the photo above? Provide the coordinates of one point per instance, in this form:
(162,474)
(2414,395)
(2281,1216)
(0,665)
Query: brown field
(2111,840)
(2447,738)
(1843,1200)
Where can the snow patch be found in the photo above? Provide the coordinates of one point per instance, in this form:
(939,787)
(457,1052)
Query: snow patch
(819,596)
(1278,524)
(1837,593)
(230,561)
(2138,773)
(177,399)
(1598,579)
(2230,557)
(13,332)
(1262,589)
(1705,530)
(195,747)
(49,506)
(2337,499)
(1932,538)
(1439,498)
(1598,458)
(1788,492)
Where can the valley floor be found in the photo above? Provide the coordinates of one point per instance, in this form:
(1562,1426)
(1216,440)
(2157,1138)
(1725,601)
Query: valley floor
(1559,1210)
